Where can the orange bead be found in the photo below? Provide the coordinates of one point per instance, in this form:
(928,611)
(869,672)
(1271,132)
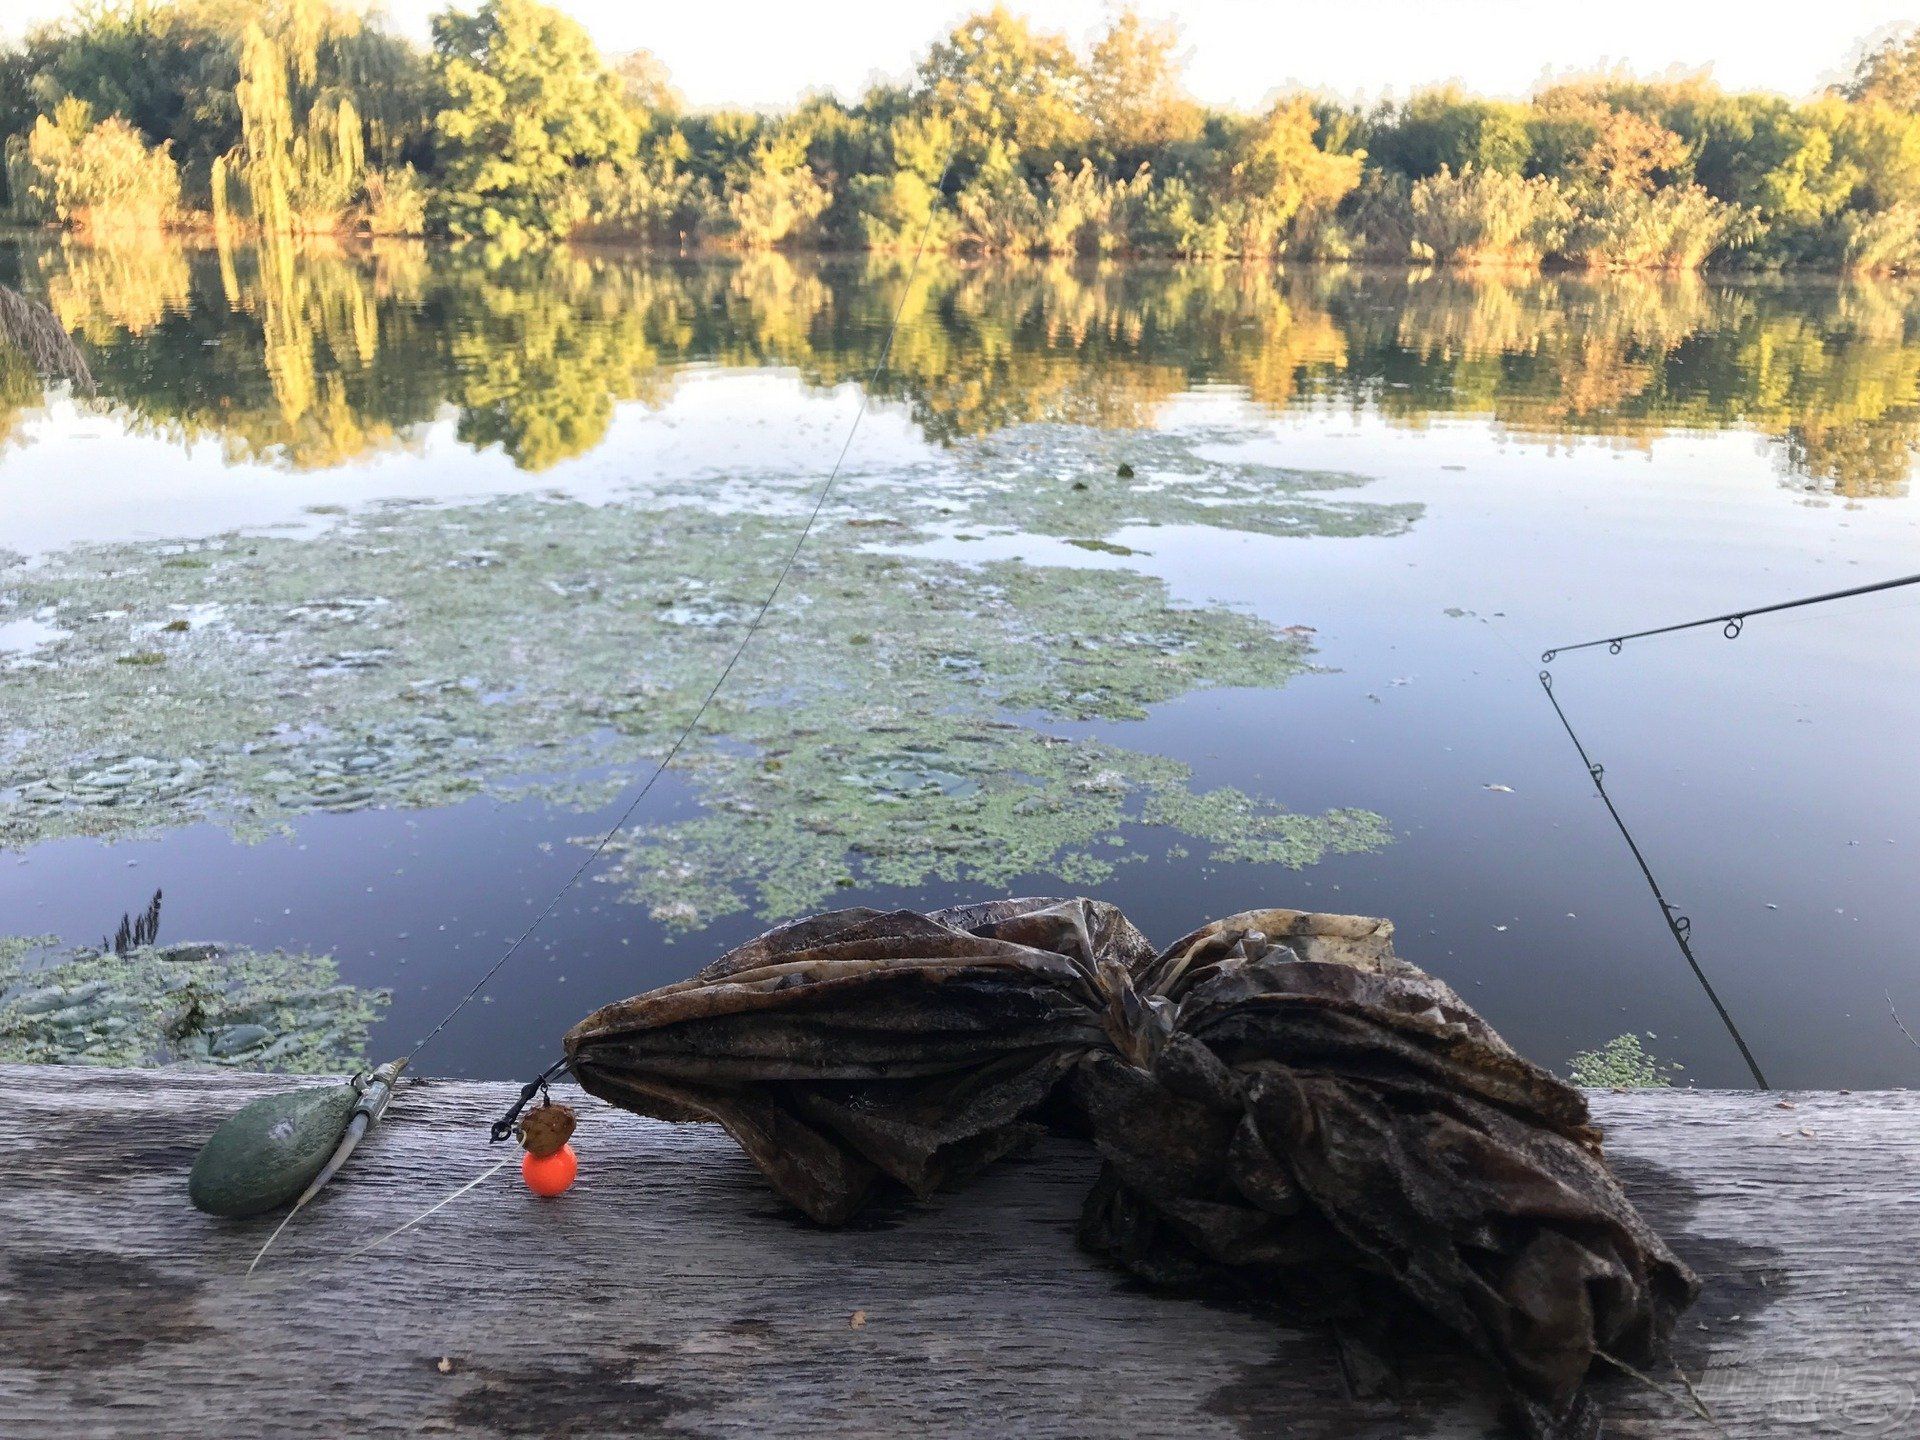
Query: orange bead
(550,1175)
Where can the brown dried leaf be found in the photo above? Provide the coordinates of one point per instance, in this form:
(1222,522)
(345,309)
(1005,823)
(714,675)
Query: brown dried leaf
(1286,1111)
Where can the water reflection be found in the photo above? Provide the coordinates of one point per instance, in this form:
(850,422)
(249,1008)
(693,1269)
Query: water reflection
(313,354)
(1051,634)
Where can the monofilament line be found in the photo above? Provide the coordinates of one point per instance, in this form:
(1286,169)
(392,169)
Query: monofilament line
(753,628)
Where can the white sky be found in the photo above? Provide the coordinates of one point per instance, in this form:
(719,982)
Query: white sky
(768,52)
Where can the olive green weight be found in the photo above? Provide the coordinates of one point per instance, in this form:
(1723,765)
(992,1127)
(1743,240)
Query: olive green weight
(263,1157)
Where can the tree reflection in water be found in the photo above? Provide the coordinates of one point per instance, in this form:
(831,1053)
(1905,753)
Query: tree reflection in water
(310,354)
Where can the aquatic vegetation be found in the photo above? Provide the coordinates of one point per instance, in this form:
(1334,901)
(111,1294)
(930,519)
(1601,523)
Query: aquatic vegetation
(179,1005)
(1064,481)
(1249,831)
(1621,1064)
(897,724)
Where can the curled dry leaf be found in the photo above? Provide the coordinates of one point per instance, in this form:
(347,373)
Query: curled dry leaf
(1286,1111)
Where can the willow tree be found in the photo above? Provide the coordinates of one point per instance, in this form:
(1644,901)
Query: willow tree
(302,153)
(530,107)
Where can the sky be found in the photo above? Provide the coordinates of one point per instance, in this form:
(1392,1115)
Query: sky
(764,53)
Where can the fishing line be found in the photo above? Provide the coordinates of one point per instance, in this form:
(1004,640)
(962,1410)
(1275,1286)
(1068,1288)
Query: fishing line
(300,1274)
(1690,1402)
(1733,621)
(753,628)
(442,1202)
(504,1126)
(1856,614)
(1677,924)
(1898,1021)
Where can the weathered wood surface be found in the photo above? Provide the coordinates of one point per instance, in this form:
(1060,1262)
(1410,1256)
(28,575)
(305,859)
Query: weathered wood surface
(670,1294)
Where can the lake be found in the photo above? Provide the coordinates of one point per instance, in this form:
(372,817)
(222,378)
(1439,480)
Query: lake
(365,586)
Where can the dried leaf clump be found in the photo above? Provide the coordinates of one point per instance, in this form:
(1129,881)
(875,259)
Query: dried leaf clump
(1286,1112)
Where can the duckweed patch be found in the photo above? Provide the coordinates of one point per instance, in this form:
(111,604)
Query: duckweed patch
(1247,830)
(1623,1063)
(890,726)
(180,1005)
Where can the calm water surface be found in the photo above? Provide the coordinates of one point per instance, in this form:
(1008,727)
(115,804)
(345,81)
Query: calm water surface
(366,582)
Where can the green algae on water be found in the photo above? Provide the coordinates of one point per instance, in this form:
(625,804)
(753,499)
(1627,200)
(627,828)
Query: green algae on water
(195,1004)
(896,723)
(1623,1063)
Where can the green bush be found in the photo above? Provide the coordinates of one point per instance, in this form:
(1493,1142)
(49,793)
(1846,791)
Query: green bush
(1487,217)
(775,204)
(1884,241)
(649,199)
(1675,228)
(893,212)
(97,175)
(1178,221)
(999,213)
(394,202)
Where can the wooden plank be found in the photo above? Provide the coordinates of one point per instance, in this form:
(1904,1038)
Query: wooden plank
(669,1293)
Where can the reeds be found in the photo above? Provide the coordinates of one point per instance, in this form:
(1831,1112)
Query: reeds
(29,327)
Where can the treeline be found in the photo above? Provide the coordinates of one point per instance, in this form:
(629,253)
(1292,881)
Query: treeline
(512,130)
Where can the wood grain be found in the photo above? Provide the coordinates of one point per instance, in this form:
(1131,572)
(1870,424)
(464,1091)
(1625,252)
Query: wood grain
(670,1294)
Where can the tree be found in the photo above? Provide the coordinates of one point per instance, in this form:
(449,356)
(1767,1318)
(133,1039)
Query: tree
(646,84)
(1443,129)
(1258,178)
(530,105)
(1135,98)
(98,175)
(1889,73)
(1577,137)
(302,156)
(1280,173)
(774,196)
(164,69)
(1011,96)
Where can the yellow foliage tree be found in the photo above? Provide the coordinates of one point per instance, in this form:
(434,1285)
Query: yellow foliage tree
(97,175)
(1135,98)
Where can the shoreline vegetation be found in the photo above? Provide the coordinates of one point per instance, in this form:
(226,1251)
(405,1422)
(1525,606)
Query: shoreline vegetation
(511,132)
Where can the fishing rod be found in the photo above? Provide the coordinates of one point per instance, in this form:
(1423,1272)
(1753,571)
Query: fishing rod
(1732,622)
(286,1147)
(1678,925)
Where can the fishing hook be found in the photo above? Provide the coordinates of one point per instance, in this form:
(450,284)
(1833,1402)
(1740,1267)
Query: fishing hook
(503,1127)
